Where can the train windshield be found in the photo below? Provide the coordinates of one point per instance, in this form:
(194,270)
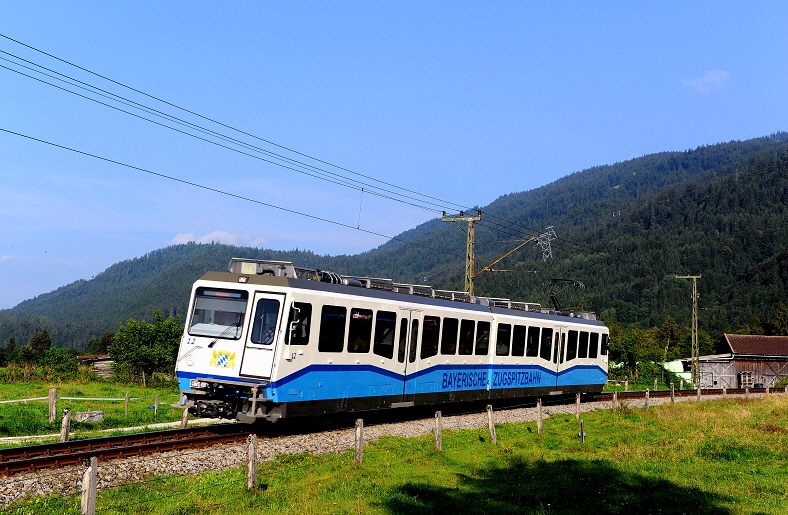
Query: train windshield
(218,313)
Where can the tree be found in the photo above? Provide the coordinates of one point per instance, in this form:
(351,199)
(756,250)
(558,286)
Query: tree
(142,347)
(39,343)
(668,335)
(9,352)
(780,321)
(61,360)
(754,326)
(100,345)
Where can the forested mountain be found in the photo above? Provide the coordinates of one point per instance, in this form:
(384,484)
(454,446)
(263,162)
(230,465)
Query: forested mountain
(624,230)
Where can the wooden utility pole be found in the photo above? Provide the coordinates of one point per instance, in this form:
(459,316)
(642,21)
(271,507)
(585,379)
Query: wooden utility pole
(469,257)
(695,346)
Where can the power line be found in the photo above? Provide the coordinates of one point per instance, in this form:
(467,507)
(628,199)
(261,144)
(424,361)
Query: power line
(215,190)
(193,126)
(149,110)
(218,122)
(505,228)
(341,183)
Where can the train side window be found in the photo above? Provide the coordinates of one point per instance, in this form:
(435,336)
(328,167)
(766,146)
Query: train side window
(266,316)
(403,340)
(466,336)
(300,322)
(449,336)
(482,338)
(430,336)
(604,345)
(502,339)
(414,340)
(332,329)
(582,345)
(547,343)
(385,324)
(593,347)
(360,330)
(532,346)
(571,349)
(518,340)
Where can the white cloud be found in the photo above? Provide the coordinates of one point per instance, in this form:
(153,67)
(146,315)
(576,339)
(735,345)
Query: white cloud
(237,239)
(714,79)
(5,259)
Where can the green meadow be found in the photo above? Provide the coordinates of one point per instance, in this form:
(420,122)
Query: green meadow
(31,418)
(690,458)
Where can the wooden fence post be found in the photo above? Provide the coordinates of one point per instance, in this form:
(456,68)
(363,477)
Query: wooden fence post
(65,426)
(747,392)
(251,462)
(89,487)
(127,404)
(626,385)
(438,430)
(491,424)
(672,394)
(577,406)
(582,434)
(646,399)
(698,393)
(156,405)
(615,400)
(52,404)
(539,415)
(681,384)
(359,441)
(656,384)
(185,418)
(724,392)
(767,391)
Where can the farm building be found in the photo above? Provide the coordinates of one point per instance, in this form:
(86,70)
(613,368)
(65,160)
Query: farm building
(753,361)
(101,364)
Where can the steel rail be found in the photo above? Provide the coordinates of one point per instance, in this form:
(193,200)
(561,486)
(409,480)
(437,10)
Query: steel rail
(36,458)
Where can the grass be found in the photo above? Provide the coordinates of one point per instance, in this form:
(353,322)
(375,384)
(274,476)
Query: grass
(31,418)
(728,458)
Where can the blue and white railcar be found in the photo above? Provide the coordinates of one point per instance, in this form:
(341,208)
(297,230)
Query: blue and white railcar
(262,343)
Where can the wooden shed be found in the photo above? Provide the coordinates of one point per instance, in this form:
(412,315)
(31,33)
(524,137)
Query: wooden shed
(101,364)
(754,361)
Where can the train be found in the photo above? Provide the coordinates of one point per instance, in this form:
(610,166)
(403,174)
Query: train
(267,340)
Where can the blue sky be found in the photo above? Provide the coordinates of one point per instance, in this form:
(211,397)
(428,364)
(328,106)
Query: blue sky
(465,101)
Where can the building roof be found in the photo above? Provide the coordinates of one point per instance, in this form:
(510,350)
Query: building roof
(758,345)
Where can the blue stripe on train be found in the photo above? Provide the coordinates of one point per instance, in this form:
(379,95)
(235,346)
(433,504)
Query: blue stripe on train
(320,382)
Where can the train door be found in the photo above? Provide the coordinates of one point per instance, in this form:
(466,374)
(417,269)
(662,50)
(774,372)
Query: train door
(407,349)
(561,364)
(258,359)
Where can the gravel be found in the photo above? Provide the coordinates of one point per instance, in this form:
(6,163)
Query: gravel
(68,481)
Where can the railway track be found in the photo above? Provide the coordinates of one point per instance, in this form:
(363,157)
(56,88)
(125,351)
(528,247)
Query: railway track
(37,458)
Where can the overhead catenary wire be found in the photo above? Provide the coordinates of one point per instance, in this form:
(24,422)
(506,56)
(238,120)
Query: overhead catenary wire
(218,122)
(318,172)
(508,227)
(358,188)
(229,194)
(130,103)
(150,110)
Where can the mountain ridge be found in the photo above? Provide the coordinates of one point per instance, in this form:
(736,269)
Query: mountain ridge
(594,210)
